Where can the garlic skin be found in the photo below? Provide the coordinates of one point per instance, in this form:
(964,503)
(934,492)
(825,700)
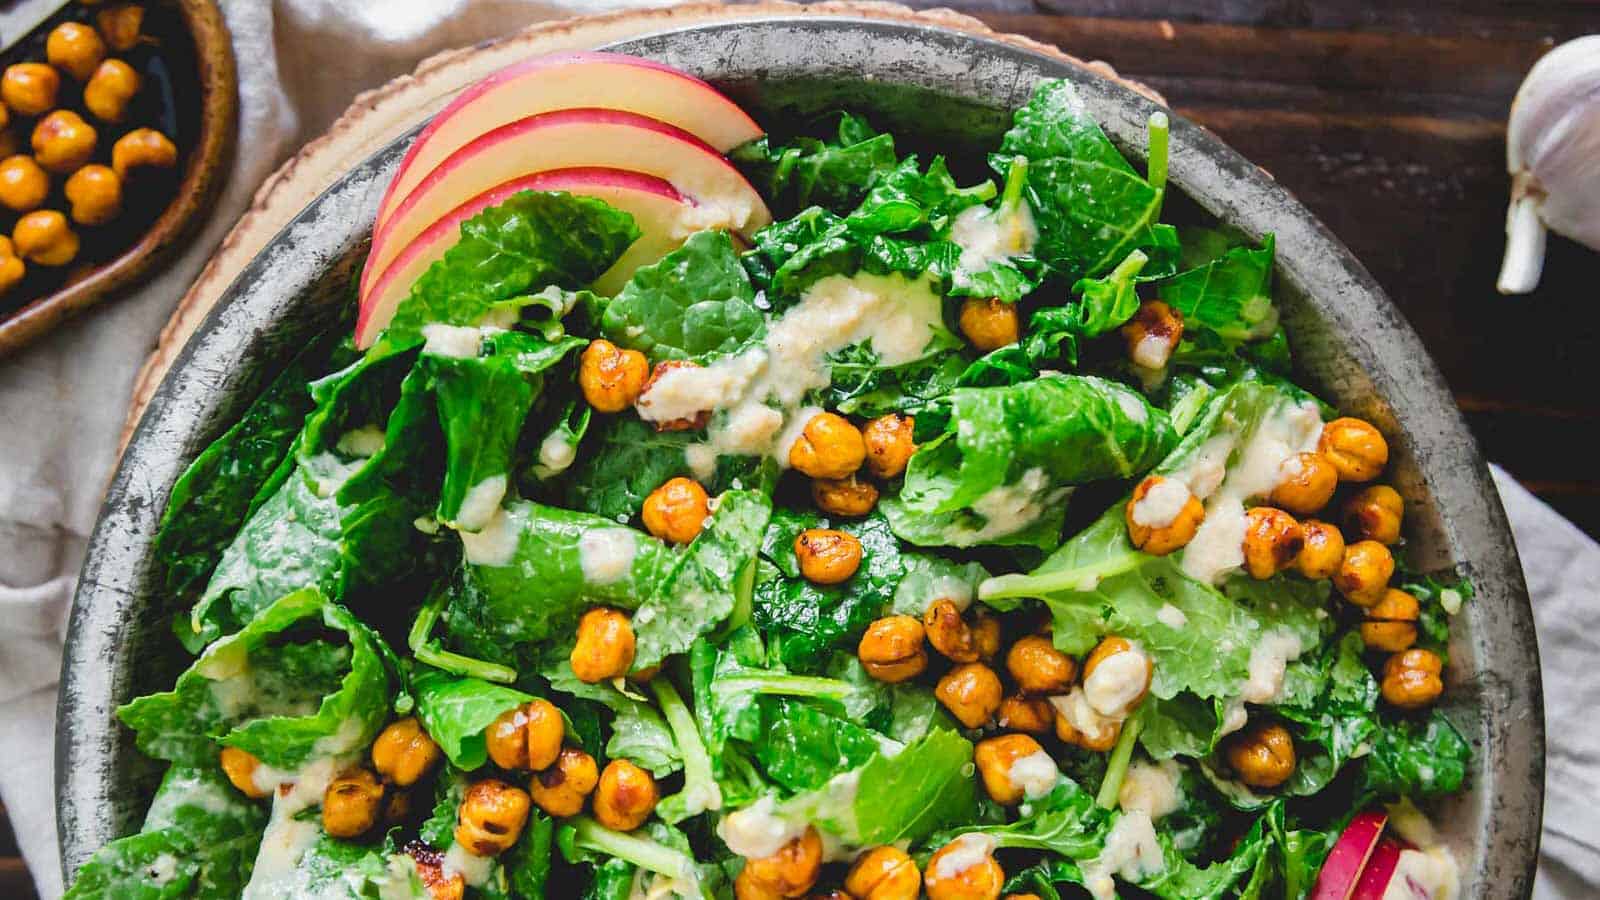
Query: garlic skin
(1553,154)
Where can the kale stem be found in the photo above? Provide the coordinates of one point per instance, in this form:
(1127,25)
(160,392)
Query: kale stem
(641,851)
(699,785)
(1083,579)
(1156,172)
(1016,180)
(1117,766)
(428,651)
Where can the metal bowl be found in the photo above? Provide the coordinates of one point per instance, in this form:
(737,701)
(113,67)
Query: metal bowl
(947,90)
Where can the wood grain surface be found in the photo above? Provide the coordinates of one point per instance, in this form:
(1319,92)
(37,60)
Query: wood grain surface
(1388,121)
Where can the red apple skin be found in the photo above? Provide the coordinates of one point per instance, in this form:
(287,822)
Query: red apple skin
(1380,868)
(569,80)
(559,140)
(653,202)
(1342,869)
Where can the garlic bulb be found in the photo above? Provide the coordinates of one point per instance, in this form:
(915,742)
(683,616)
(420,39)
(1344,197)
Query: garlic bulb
(1553,154)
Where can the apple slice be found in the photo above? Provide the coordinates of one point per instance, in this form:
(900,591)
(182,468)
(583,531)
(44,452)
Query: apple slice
(664,216)
(568,81)
(1342,869)
(568,139)
(1374,881)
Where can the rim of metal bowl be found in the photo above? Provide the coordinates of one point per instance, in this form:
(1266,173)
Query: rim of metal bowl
(1352,340)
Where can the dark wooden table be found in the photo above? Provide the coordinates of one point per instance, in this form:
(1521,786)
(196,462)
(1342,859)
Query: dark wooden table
(1388,120)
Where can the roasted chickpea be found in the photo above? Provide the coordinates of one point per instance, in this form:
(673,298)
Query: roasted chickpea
(439,883)
(240,766)
(29,89)
(351,804)
(1364,572)
(792,870)
(1162,516)
(828,447)
(605,646)
(989,323)
(1355,448)
(1262,755)
(491,817)
(1078,723)
(1412,680)
(1116,676)
(1038,667)
(403,752)
(971,692)
(1272,540)
(611,378)
(75,48)
(44,237)
(986,635)
(996,756)
(526,737)
(982,879)
(1305,484)
(12,268)
(1373,514)
(1152,334)
(891,649)
(23,184)
(883,873)
(646,403)
(1021,897)
(63,141)
(110,89)
(626,796)
(948,632)
(677,511)
(1392,623)
(1032,715)
(95,194)
(1323,550)
(561,789)
(140,148)
(848,497)
(120,25)
(889,444)
(827,556)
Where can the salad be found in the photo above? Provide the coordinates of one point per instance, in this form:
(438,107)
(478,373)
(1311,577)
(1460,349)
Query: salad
(801,518)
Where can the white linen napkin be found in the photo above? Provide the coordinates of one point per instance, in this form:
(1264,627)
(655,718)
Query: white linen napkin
(300,62)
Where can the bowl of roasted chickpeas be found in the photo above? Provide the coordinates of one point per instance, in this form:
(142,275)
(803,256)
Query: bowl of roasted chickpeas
(115,118)
(952,93)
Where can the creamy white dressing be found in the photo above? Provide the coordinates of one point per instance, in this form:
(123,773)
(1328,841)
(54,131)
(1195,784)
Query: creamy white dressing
(756,394)
(986,238)
(968,850)
(1160,505)
(473,869)
(1234,717)
(1269,659)
(606,554)
(365,441)
(1117,682)
(1171,616)
(1008,508)
(456,341)
(557,452)
(1152,788)
(1152,352)
(286,838)
(162,869)
(495,544)
(1075,708)
(758,830)
(1036,774)
(1217,549)
(480,503)
(1131,851)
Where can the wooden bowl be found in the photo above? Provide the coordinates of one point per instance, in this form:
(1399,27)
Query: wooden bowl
(212,120)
